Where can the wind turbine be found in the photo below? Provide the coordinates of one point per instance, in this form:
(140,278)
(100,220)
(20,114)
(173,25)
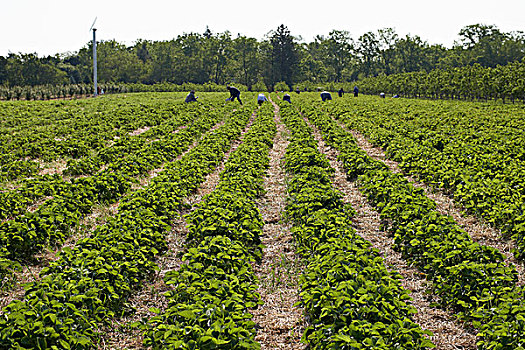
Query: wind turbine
(95,93)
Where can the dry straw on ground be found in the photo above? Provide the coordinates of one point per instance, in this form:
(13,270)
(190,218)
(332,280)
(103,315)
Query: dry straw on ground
(56,167)
(139,131)
(280,323)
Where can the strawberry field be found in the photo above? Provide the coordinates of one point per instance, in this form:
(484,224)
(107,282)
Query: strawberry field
(138,221)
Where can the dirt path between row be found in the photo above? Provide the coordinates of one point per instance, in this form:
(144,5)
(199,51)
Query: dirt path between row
(280,323)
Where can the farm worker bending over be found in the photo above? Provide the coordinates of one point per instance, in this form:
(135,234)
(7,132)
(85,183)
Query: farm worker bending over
(325,95)
(261,98)
(356,91)
(382,95)
(234,93)
(287,98)
(191,97)
(341,92)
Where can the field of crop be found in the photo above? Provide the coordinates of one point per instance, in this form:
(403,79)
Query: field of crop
(138,221)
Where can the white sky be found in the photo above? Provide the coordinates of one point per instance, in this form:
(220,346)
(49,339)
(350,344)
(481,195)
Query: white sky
(57,26)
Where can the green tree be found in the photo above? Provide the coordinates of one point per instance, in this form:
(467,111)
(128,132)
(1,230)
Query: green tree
(410,54)
(387,38)
(368,53)
(338,47)
(471,35)
(3,70)
(218,52)
(284,56)
(28,69)
(167,60)
(118,63)
(312,57)
(247,60)
(194,66)
(488,46)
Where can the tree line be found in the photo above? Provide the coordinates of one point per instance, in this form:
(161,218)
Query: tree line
(505,83)
(221,58)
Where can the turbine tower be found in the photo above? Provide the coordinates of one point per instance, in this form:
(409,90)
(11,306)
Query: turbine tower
(95,87)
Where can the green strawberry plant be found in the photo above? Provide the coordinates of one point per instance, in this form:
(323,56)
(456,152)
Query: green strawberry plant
(471,279)
(351,300)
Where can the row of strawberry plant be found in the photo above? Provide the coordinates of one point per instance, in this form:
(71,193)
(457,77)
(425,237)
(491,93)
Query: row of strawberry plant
(54,220)
(48,133)
(8,270)
(45,130)
(480,164)
(470,278)
(137,144)
(15,202)
(352,300)
(18,169)
(90,283)
(215,287)
(37,131)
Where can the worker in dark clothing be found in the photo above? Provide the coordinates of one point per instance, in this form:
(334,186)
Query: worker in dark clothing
(297,91)
(341,92)
(191,97)
(234,93)
(287,98)
(325,95)
(356,91)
